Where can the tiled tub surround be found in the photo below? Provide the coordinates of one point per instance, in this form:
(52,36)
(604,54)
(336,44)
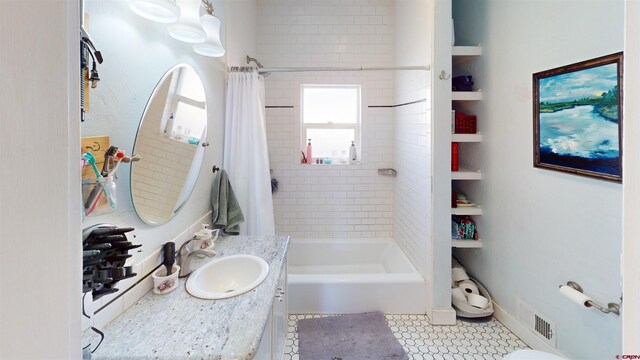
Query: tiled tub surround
(332,201)
(178,325)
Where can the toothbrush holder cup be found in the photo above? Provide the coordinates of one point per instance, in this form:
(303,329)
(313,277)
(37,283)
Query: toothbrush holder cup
(99,195)
(163,284)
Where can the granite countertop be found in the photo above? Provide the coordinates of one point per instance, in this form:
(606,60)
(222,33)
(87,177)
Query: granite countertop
(178,325)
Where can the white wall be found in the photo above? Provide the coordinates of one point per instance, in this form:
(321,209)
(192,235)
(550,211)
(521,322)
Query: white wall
(412,142)
(40,258)
(119,100)
(348,201)
(542,228)
(441,163)
(631,246)
(137,53)
(241,31)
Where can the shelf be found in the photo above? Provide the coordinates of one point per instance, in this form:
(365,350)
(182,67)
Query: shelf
(466,51)
(466,244)
(465,173)
(470,210)
(466,95)
(466,137)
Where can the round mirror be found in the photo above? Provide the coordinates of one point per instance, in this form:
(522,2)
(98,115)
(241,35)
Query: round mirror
(170,142)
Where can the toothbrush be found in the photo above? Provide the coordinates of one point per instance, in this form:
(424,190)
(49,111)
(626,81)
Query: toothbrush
(119,156)
(95,193)
(130,159)
(108,160)
(92,206)
(92,161)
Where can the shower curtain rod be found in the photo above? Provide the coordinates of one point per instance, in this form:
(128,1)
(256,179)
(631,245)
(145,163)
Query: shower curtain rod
(360,68)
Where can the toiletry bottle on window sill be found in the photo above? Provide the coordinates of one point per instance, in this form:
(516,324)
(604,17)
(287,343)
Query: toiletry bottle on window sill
(309,158)
(179,133)
(353,156)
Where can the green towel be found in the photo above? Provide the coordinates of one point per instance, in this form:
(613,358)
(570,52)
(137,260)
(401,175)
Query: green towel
(226,214)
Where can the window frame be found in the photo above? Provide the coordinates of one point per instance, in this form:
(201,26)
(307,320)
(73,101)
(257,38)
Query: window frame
(174,98)
(178,98)
(331,126)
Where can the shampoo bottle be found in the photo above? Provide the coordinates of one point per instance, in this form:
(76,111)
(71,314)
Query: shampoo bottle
(353,156)
(309,159)
(169,126)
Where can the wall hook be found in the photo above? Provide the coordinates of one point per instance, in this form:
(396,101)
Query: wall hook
(95,147)
(443,75)
(215,169)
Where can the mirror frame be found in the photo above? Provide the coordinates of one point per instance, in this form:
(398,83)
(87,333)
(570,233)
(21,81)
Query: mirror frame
(198,154)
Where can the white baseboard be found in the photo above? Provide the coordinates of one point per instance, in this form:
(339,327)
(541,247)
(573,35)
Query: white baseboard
(443,317)
(522,332)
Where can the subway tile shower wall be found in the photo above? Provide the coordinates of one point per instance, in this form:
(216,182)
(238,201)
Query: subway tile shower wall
(412,215)
(329,201)
(326,32)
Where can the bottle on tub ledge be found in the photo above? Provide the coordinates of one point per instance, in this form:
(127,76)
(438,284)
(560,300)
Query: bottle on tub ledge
(309,158)
(353,154)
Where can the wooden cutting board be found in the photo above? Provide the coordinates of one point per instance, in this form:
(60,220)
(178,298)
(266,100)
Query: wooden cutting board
(97,145)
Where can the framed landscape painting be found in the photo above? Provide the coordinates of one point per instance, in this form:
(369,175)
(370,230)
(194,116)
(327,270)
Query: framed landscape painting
(577,118)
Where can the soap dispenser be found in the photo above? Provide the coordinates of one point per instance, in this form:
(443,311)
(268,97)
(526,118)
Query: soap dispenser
(204,238)
(204,233)
(169,126)
(353,155)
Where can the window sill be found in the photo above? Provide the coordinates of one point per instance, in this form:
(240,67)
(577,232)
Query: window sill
(329,165)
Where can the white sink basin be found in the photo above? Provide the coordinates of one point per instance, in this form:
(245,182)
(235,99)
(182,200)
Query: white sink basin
(227,276)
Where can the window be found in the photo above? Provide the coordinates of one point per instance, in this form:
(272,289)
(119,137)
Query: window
(186,100)
(331,119)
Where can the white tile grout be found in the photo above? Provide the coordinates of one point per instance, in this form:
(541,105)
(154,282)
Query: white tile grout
(467,340)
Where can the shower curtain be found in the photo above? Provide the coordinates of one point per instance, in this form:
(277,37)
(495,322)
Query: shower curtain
(246,157)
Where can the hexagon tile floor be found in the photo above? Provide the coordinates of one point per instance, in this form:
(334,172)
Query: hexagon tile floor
(467,340)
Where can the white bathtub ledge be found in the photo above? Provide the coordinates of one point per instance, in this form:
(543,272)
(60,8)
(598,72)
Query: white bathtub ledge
(353,275)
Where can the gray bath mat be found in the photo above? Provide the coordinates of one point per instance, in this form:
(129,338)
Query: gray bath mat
(348,337)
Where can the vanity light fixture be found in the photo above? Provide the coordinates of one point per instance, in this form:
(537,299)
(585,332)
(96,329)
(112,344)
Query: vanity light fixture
(164,11)
(188,27)
(212,47)
(204,32)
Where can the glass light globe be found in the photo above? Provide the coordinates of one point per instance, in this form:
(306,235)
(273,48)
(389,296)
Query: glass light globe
(213,46)
(164,11)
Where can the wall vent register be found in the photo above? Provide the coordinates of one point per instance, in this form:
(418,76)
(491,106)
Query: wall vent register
(540,325)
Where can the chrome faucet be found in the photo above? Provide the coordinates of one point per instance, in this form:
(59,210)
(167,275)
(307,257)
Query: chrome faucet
(185,257)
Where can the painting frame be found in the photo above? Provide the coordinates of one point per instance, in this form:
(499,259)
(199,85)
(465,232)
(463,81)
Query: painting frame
(584,152)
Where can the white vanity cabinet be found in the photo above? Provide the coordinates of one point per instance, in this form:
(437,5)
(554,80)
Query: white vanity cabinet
(280,314)
(275,331)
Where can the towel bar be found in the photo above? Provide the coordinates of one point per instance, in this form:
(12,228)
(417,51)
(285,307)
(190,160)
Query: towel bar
(387,172)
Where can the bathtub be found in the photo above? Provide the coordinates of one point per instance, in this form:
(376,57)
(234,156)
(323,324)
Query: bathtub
(352,276)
